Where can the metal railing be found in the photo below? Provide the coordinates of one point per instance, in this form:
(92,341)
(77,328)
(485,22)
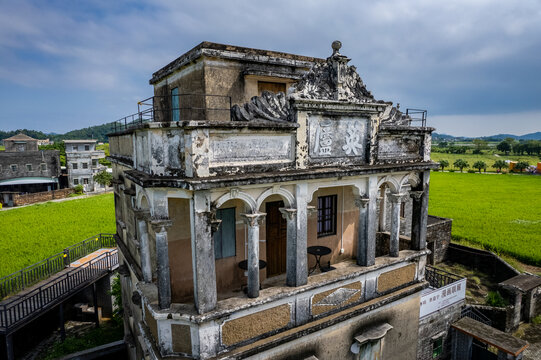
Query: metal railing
(475,314)
(17,310)
(417,115)
(32,274)
(176,108)
(438,278)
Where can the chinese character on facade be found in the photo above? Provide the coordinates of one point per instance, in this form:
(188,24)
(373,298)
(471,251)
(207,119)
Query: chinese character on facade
(353,138)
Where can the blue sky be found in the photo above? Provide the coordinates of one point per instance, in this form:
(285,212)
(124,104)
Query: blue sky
(474,65)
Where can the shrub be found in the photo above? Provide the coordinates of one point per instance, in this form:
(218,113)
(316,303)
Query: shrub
(494,298)
(451,170)
(78,189)
(471,171)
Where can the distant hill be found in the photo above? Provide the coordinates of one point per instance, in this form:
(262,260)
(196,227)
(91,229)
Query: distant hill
(98,132)
(499,137)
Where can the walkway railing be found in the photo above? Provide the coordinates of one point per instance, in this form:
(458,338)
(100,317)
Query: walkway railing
(475,314)
(32,274)
(16,311)
(438,278)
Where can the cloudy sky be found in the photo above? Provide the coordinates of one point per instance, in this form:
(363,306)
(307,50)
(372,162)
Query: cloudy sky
(474,65)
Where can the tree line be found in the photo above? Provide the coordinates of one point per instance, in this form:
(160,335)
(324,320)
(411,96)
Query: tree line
(481,165)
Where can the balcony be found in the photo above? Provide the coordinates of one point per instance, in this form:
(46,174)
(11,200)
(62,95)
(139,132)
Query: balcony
(177,108)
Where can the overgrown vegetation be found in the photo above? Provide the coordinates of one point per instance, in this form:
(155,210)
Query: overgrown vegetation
(494,298)
(105,334)
(501,213)
(33,233)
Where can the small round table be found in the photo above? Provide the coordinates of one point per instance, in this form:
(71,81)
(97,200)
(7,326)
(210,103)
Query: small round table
(244,264)
(318,252)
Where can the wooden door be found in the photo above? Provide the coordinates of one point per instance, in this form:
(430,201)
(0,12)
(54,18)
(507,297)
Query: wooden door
(276,235)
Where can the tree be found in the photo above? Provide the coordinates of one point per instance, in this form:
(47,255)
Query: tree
(480,165)
(103,178)
(479,145)
(499,164)
(504,146)
(461,164)
(521,165)
(444,164)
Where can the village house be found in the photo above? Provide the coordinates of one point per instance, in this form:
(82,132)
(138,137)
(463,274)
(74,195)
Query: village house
(82,163)
(26,169)
(269,206)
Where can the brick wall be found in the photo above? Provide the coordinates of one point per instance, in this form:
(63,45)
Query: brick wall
(40,197)
(438,238)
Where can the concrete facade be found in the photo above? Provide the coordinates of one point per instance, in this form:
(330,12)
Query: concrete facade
(25,169)
(293,170)
(82,163)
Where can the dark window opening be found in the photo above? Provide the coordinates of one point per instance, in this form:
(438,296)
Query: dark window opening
(437,348)
(274,87)
(85,181)
(402,209)
(224,237)
(175,105)
(326,215)
(75,181)
(87,147)
(29,167)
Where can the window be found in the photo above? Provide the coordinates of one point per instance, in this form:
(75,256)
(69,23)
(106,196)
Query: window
(28,167)
(74,166)
(85,165)
(14,167)
(326,215)
(85,181)
(437,348)
(94,162)
(75,181)
(224,238)
(43,166)
(175,104)
(0,168)
(75,148)
(87,147)
(270,86)
(402,209)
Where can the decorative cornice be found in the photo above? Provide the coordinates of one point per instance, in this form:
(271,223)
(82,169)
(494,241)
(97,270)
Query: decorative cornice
(288,214)
(253,219)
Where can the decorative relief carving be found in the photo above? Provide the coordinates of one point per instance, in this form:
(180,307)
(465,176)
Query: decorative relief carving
(249,148)
(268,106)
(401,147)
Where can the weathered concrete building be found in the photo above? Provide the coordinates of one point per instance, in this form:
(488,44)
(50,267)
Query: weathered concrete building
(82,163)
(26,169)
(248,220)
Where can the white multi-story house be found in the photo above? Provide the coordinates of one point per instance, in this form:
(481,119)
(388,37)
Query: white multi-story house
(82,163)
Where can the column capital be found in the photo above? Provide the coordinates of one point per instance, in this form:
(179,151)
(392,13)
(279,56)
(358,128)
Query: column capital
(288,213)
(397,198)
(416,194)
(253,219)
(160,225)
(141,214)
(362,201)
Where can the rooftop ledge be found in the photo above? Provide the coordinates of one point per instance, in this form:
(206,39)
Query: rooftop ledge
(344,270)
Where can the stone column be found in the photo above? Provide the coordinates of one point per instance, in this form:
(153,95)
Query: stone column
(160,227)
(298,275)
(291,217)
(394,241)
(416,214)
(144,246)
(382,209)
(203,261)
(366,250)
(253,220)
(419,220)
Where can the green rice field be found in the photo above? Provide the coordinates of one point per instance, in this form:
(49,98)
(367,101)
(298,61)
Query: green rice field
(500,212)
(33,233)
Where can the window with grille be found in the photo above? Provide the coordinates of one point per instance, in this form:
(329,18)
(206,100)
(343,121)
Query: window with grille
(224,237)
(14,167)
(326,215)
(74,166)
(85,165)
(85,181)
(437,347)
(28,167)
(75,181)
(43,166)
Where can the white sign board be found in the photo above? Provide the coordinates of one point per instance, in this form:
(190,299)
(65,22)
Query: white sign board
(442,297)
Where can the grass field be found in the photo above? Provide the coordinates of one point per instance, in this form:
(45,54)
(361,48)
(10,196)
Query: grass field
(35,232)
(501,212)
(489,159)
